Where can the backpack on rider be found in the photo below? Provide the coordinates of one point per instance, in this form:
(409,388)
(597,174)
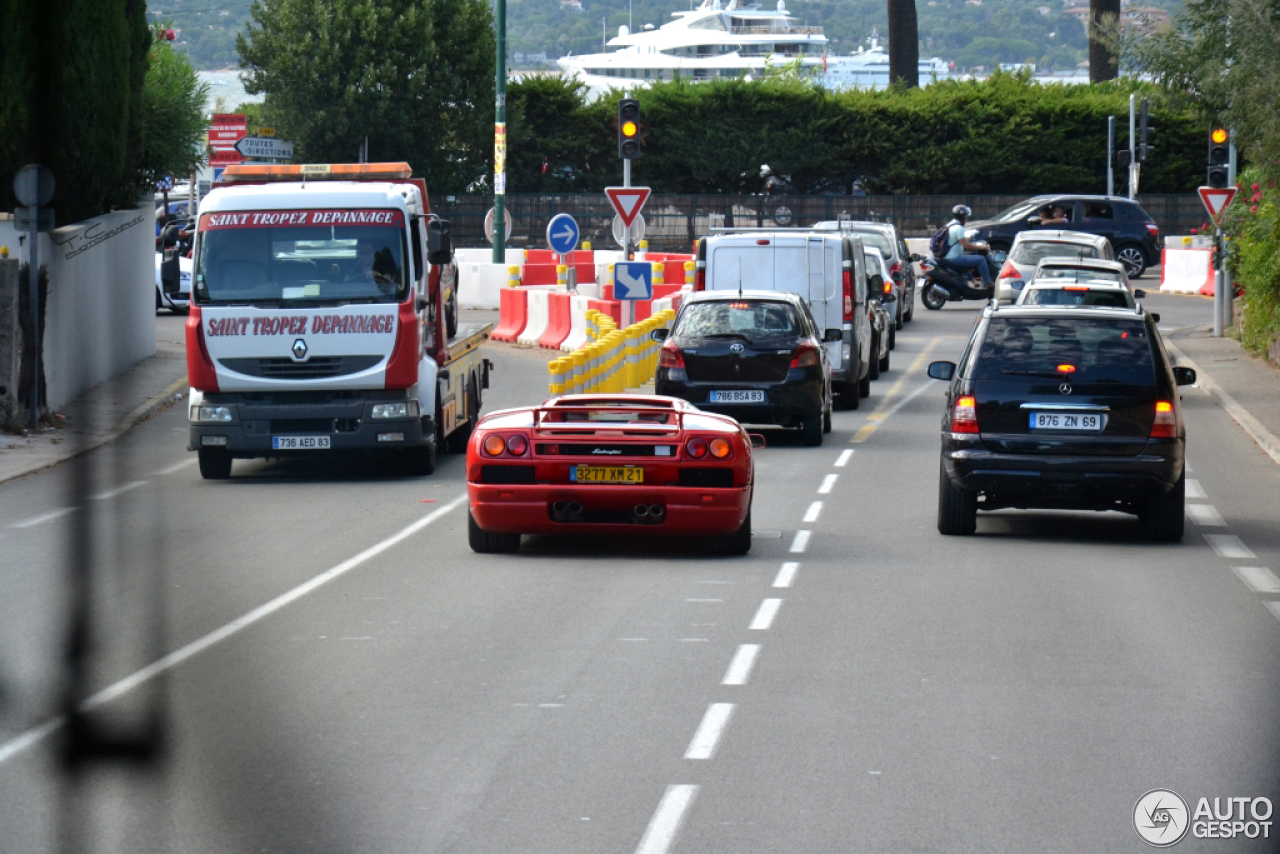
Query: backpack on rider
(940,243)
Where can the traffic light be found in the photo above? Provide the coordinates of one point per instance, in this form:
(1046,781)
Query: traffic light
(1144,133)
(1219,156)
(628,128)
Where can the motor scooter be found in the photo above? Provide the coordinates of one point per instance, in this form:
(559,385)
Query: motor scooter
(944,283)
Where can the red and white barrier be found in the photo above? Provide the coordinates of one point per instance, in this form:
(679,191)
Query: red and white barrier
(558,323)
(513,308)
(537,315)
(1186,271)
(578,306)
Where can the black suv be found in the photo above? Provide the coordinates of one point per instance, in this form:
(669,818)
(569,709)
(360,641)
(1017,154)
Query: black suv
(1065,408)
(757,356)
(1134,235)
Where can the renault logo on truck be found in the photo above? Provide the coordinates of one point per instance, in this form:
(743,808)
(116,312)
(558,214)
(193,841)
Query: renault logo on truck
(299,349)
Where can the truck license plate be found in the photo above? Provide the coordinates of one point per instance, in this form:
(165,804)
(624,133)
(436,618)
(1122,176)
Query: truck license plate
(745,396)
(300,443)
(606,474)
(1083,422)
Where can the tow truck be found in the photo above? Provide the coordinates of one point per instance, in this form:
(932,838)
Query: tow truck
(318,320)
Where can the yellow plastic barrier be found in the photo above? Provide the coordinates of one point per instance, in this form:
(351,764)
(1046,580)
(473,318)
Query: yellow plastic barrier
(579,360)
(513,276)
(562,276)
(689,277)
(659,272)
(556,369)
(613,360)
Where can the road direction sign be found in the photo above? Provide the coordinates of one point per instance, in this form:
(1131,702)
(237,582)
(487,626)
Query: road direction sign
(165,184)
(264,147)
(33,185)
(562,234)
(633,280)
(620,230)
(1216,200)
(627,201)
(488,224)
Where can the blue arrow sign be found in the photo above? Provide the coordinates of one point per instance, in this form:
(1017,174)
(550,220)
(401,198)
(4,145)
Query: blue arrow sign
(562,234)
(633,280)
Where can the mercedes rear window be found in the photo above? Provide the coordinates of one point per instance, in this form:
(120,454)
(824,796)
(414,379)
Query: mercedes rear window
(1079,349)
(1081,295)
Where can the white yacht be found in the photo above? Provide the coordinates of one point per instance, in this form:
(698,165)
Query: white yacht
(731,40)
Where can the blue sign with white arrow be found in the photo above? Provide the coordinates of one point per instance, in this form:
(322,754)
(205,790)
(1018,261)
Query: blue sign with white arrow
(633,280)
(562,234)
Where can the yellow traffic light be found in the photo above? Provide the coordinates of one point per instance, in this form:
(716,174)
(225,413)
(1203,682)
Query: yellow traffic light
(1219,135)
(629,129)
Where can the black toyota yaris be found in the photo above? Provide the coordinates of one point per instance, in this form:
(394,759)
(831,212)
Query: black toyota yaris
(1054,407)
(757,356)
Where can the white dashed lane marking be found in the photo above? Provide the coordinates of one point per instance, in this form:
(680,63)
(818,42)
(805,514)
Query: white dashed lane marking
(1274,608)
(43,517)
(662,828)
(765,613)
(740,668)
(815,509)
(112,493)
(801,542)
(827,483)
(1259,579)
(709,731)
(1194,489)
(1205,515)
(176,467)
(1229,546)
(786,574)
(844,457)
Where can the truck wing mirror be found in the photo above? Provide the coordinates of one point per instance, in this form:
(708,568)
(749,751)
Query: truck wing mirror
(439,243)
(942,370)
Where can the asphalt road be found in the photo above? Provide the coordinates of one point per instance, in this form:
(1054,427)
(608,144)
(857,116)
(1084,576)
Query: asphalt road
(338,672)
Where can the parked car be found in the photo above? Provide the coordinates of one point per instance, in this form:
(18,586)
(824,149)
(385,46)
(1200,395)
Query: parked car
(180,300)
(1029,247)
(827,271)
(1134,235)
(1064,409)
(757,356)
(609,464)
(1080,282)
(886,237)
(885,336)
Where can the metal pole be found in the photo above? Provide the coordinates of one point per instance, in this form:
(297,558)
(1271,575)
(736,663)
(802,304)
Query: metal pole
(1228,288)
(500,137)
(1133,151)
(628,306)
(1111,150)
(33,289)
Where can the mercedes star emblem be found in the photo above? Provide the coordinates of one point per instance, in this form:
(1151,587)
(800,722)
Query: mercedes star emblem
(299,349)
(1065,388)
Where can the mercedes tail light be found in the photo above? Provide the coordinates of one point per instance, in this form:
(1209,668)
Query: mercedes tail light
(805,356)
(670,356)
(1165,425)
(964,415)
(847,284)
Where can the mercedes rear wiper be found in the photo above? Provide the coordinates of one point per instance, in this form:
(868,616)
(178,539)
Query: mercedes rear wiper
(1053,375)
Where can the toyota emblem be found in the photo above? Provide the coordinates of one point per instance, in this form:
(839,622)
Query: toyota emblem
(299,349)
(1065,388)
(735,348)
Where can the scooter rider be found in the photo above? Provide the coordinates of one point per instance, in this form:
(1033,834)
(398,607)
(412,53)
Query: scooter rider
(957,243)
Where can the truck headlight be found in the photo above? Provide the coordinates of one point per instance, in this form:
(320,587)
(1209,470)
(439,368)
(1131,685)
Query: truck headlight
(403,409)
(213,413)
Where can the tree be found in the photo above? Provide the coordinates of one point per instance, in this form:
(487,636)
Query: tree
(1102,64)
(904,43)
(413,77)
(173,122)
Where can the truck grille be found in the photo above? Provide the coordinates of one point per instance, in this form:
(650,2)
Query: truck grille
(320,367)
(301,425)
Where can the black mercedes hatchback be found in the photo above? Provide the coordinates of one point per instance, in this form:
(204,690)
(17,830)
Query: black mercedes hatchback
(756,356)
(1056,407)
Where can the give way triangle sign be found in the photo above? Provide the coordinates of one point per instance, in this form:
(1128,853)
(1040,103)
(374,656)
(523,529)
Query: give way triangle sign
(1216,200)
(627,201)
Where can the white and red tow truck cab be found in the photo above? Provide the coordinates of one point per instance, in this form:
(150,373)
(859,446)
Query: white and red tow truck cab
(317,319)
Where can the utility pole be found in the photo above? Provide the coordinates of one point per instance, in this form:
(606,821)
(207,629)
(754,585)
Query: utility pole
(1133,150)
(500,138)
(1111,155)
(1228,288)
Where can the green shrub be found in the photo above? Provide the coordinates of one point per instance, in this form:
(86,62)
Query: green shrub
(1253,222)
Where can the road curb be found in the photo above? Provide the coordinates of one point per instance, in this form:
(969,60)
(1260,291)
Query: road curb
(1265,439)
(150,407)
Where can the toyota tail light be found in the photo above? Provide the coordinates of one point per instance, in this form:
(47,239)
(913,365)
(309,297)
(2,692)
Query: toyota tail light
(670,356)
(964,415)
(805,356)
(1165,425)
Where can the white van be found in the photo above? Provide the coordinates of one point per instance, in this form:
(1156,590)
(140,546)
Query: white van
(827,270)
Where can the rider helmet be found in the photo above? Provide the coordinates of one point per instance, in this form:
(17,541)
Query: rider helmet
(961,210)
(765,171)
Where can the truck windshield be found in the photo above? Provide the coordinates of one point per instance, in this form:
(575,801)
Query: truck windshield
(312,255)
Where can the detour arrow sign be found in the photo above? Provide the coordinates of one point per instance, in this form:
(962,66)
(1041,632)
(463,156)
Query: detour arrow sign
(263,147)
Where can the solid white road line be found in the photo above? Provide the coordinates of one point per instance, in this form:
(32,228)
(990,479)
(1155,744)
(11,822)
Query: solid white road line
(740,668)
(1229,546)
(196,647)
(662,828)
(801,542)
(786,575)
(709,731)
(1194,489)
(1205,515)
(811,515)
(112,493)
(844,457)
(1274,608)
(1259,579)
(910,397)
(764,614)
(175,467)
(43,517)
(827,483)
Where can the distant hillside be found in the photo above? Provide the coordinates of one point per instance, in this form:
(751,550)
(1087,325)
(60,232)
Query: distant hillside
(969,33)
